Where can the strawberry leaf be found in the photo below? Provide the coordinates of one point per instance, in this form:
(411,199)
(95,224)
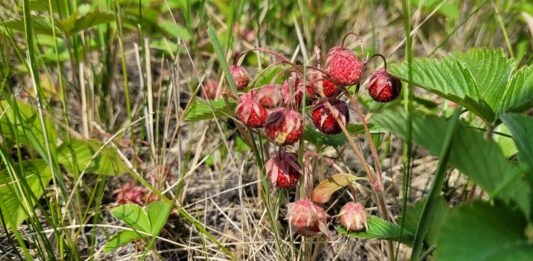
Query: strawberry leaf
(480,159)
(495,232)
(380,229)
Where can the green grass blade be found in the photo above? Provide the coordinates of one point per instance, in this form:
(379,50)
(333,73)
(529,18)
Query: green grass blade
(440,174)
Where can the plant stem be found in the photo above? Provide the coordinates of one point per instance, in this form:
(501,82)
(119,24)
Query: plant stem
(373,149)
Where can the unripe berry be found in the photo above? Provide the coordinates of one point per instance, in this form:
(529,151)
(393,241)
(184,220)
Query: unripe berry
(353,217)
(240,76)
(283,170)
(325,120)
(210,89)
(284,126)
(343,66)
(269,96)
(250,112)
(384,87)
(306,218)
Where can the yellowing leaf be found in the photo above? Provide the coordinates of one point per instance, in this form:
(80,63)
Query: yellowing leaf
(326,188)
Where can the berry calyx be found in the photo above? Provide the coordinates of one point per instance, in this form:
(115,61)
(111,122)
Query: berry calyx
(343,66)
(284,126)
(240,76)
(249,112)
(325,120)
(384,87)
(283,170)
(353,216)
(269,96)
(306,218)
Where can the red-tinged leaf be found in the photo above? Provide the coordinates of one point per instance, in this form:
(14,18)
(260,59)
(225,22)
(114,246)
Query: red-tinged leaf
(326,188)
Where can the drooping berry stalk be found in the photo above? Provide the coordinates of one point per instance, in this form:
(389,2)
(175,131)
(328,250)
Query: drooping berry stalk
(374,181)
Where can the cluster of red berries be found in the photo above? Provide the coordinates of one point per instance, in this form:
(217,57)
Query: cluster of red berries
(129,193)
(277,109)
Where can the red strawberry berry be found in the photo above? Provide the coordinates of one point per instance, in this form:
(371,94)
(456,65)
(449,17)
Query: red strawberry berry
(269,96)
(353,216)
(240,76)
(283,170)
(284,126)
(306,218)
(384,87)
(250,112)
(326,121)
(329,88)
(343,66)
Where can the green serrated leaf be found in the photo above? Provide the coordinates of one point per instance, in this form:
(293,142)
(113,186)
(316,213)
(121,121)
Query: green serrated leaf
(14,203)
(203,110)
(77,154)
(120,239)
(491,70)
(380,229)
(472,154)
(272,74)
(134,216)
(480,80)
(519,92)
(479,231)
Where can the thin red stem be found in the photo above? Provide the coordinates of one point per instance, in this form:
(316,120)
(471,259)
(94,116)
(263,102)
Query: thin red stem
(378,55)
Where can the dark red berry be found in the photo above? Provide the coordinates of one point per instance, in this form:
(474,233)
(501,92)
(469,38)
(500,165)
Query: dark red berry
(384,87)
(325,120)
(343,66)
(250,112)
(284,126)
(240,76)
(283,170)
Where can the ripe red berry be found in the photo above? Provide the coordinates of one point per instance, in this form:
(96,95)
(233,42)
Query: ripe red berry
(283,170)
(353,216)
(325,120)
(343,66)
(210,89)
(240,76)
(284,126)
(329,88)
(384,87)
(306,218)
(269,96)
(250,112)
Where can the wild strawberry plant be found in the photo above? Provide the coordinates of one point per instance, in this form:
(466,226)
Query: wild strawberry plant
(485,82)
